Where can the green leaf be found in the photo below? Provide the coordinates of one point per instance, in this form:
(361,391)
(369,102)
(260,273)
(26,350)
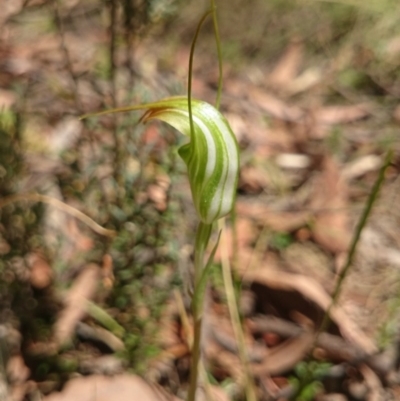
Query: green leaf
(198,295)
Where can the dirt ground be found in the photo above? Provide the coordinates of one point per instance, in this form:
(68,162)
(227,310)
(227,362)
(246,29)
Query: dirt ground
(96,220)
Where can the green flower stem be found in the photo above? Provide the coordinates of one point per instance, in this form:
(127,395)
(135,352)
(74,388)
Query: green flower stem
(190,75)
(236,320)
(105,319)
(356,238)
(204,229)
(202,239)
(194,368)
(219,52)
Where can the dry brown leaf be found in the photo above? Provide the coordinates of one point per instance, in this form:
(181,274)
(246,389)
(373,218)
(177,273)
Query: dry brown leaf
(20,391)
(218,394)
(314,292)
(328,346)
(161,365)
(10,8)
(107,272)
(286,355)
(396,114)
(274,361)
(226,360)
(157,192)
(286,221)
(7,99)
(41,272)
(280,138)
(221,331)
(274,106)
(293,160)
(306,80)
(239,125)
(17,371)
(342,114)
(329,200)
(287,67)
(361,166)
(83,289)
(276,220)
(158,196)
(123,387)
(374,384)
(392,47)
(252,180)
(245,235)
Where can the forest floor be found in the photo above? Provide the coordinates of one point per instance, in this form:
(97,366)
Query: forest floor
(97,225)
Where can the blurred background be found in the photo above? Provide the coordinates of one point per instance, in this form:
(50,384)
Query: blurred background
(96,220)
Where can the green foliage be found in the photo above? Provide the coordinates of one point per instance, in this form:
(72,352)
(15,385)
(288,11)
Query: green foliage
(198,296)
(280,240)
(147,244)
(307,379)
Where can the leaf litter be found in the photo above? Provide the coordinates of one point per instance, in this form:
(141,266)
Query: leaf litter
(284,117)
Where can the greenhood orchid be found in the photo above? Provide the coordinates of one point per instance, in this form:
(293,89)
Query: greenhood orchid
(211,156)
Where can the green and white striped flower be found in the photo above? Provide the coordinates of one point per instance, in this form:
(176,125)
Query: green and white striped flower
(211,156)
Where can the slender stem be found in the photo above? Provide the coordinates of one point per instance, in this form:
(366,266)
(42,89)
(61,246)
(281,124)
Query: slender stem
(235,318)
(194,369)
(203,230)
(219,52)
(357,235)
(202,239)
(35,197)
(190,75)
